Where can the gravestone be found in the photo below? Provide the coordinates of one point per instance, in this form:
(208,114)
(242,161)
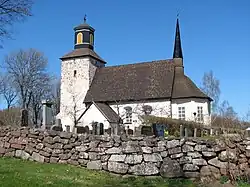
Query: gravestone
(98,129)
(80,130)
(47,114)
(58,123)
(137,131)
(158,130)
(186,132)
(122,130)
(56,128)
(114,128)
(147,130)
(94,128)
(181,131)
(87,131)
(24,118)
(195,132)
(101,129)
(108,131)
(130,132)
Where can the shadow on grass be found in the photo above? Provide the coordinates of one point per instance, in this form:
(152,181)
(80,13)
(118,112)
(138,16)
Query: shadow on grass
(19,173)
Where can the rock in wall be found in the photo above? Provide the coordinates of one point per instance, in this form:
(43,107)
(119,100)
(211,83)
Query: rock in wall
(144,156)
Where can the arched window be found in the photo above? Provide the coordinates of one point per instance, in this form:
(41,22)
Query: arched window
(79,38)
(147,109)
(91,39)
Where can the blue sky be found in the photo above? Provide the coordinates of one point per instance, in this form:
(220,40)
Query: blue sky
(215,36)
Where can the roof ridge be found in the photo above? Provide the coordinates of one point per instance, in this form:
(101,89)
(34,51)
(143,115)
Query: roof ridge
(140,63)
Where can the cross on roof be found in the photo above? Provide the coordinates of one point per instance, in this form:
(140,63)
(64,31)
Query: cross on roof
(85,18)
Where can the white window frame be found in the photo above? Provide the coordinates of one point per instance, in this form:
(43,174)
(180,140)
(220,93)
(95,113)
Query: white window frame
(181,113)
(200,115)
(128,115)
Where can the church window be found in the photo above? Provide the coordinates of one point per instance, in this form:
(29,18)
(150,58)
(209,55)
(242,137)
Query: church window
(181,113)
(199,114)
(147,109)
(128,115)
(75,73)
(67,128)
(79,38)
(91,39)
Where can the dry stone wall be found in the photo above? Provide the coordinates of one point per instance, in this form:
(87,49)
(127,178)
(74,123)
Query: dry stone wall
(144,156)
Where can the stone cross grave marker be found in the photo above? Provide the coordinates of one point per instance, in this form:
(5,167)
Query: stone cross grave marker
(24,117)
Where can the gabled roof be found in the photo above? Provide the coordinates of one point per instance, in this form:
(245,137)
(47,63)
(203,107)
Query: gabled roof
(184,87)
(140,81)
(81,52)
(106,111)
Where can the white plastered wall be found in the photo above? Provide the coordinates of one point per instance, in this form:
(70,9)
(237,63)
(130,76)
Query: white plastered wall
(159,108)
(191,107)
(93,115)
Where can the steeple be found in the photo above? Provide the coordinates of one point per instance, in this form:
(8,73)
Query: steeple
(177,42)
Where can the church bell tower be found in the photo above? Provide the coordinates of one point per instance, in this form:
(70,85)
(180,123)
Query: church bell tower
(78,69)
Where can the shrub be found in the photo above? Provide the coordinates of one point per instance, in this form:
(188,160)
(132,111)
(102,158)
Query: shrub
(10,117)
(174,125)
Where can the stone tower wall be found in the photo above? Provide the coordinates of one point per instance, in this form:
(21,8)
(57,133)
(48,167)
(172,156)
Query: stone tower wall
(76,78)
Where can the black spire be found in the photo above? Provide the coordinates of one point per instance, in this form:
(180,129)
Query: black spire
(177,42)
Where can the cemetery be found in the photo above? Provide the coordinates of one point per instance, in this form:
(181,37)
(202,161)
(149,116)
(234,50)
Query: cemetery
(115,109)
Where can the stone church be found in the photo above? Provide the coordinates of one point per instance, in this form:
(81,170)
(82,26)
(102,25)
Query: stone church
(93,92)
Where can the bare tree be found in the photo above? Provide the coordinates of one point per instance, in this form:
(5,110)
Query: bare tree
(56,94)
(12,11)
(74,107)
(10,117)
(139,110)
(226,110)
(27,69)
(211,86)
(247,115)
(7,90)
(228,117)
(40,92)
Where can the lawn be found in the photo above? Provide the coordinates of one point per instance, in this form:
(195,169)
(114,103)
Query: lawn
(20,173)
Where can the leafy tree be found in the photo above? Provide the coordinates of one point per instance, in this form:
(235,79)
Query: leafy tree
(211,86)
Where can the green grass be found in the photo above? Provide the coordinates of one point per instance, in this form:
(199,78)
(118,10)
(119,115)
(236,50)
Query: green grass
(20,173)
